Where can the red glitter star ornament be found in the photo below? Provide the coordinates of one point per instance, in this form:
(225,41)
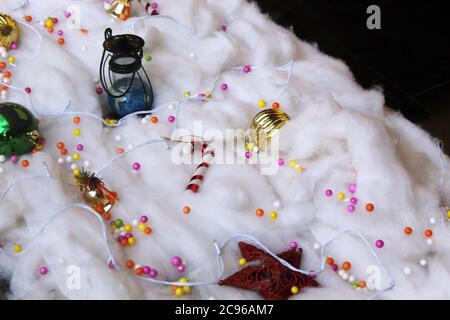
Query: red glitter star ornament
(269,277)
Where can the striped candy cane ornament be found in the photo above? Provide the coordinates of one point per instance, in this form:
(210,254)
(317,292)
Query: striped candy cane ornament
(199,173)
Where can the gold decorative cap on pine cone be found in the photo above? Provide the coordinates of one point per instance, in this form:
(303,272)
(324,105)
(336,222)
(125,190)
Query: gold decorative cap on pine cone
(266,124)
(9,32)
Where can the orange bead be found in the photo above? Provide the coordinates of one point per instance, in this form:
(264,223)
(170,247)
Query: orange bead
(408,230)
(63,151)
(2,65)
(154,119)
(28,18)
(148,230)
(124,242)
(186,210)
(370,207)
(123,16)
(346,265)
(428,233)
(61,41)
(120,150)
(129,264)
(259,212)
(330,261)
(25,163)
(76,120)
(139,271)
(7,74)
(3,87)
(106,216)
(362,284)
(60,145)
(50,30)
(275,105)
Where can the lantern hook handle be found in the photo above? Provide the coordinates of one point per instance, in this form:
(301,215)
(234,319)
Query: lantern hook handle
(108,33)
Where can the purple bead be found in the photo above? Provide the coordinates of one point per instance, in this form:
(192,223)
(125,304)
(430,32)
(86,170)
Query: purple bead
(99,90)
(171,119)
(351,208)
(352,188)
(67,14)
(354,200)
(334,266)
(154,5)
(80,147)
(293,245)
(43,270)
(180,268)
(14,158)
(224,86)
(143,219)
(176,261)
(153,273)
(248,154)
(328,192)
(247,69)
(120,238)
(111,265)
(136,166)
(147,269)
(281,162)
(14,45)
(60,32)
(312,274)
(223,28)
(379,244)
(128,235)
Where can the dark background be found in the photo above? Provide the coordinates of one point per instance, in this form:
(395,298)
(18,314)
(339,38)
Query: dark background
(409,57)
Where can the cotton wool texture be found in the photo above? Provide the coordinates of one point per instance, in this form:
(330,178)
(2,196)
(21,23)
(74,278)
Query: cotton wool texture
(339,132)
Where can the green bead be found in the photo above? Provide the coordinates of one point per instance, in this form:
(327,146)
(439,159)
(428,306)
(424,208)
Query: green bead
(148,58)
(118,223)
(18,130)
(355,285)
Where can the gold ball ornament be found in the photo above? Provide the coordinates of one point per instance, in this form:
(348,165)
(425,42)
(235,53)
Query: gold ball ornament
(9,32)
(119,9)
(265,125)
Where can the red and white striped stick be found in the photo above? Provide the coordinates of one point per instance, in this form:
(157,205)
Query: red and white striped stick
(199,173)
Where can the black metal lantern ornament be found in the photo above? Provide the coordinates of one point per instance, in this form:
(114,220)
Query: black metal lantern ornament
(122,75)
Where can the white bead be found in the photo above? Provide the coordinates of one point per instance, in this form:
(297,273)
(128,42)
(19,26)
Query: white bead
(96,80)
(407,271)
(61,160)
(345,276)
(130,146)
(341,272)
(73,166)
(118,138)
(61,260)
(4,54)
(171,106)
(277,204)
(316,246)
(42,23)
(255,149)
(134,222)
(144,121)
(6,80)
(69,158)
(433,220)
(87,164)
(2,49)
(192,55)
(423,262)
(351,278)
(137,266)
(83,48)
(1,170)
(2,158)
(430,242)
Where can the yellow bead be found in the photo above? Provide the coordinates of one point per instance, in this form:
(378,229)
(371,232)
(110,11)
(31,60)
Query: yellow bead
(186,94)
(127,228)
(132,241)
(17,248)
(292,163)
(295,290)
(186,289)
(49,23)
(273,215)
(76,172)
(179,292)
(111,121)
(262,103)
(448,214)
(76,156)
(183,280)
(249,146)
(341,196)
(299,168)
(208,95)
(242,262)
(76,132)
(142,227)
(11,60)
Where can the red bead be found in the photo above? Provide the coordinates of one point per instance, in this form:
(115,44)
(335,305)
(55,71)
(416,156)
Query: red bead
(25,163)
(370,207)
(408,230)
(428,233)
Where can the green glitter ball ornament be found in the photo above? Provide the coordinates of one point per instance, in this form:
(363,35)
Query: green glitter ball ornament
(18,130)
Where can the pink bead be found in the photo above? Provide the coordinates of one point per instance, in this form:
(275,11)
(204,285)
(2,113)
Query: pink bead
(351,208)
(55,20)
(202,95)
(153,273)
(224,86)
(248,154)
(293,245)
(60,32)
(328,192)
(14,45)
(143,219)
(80,147)
(312,274)
(28,90)
(147,270)
(223,28)
(247,69)
(154,5)
(281,162)
(379,244)
(67,14)
(176,261)
(43,270)
(14,159)
(352,188)
(334,266)
(111,265)
(136,166)
(171,119)
(354,200)
(128,235)
(180,268)
(99,90)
